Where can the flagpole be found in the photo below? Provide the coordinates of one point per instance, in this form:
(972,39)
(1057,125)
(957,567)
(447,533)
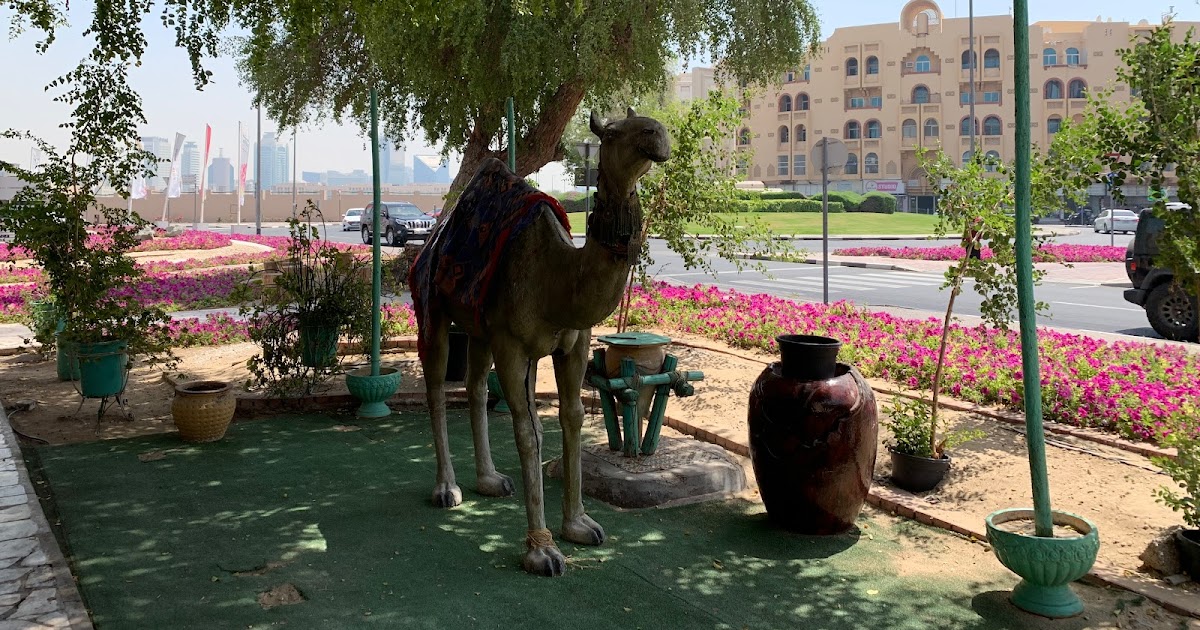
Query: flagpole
(238,174)
(258,177)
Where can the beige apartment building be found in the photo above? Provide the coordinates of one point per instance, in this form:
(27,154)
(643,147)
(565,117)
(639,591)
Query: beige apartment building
(890,90)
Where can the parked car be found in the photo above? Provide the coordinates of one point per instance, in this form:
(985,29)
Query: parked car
(1080,217)
(1170,310)
(401,222)
(352,220)
(1116,220)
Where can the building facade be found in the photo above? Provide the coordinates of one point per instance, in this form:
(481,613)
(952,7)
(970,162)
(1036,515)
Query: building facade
(221,178)
(161,149)
(890,91)
(430,169)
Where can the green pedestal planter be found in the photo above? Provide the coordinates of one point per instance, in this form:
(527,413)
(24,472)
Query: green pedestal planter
(318,346)
(493,385)
(372,391)
(1046,565)
(66,363)
(102,368)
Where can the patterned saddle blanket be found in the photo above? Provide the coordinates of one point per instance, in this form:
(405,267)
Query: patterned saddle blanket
(460,260)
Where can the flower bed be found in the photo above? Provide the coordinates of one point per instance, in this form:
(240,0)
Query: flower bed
(189,239)
(33,274)
(1045,253)
(181,292)
(1139,390)
(218,329)
(281,243)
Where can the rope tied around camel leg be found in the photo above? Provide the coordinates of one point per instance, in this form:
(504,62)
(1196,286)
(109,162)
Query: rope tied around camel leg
(539,538)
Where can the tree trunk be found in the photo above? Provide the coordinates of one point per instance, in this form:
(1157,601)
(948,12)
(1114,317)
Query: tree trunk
(534,150)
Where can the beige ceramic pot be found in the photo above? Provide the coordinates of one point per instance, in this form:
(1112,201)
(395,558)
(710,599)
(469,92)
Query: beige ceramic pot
(203,410)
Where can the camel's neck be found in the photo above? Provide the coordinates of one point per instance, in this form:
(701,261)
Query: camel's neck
(601,266)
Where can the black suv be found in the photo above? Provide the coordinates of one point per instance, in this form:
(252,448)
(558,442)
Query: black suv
(401,221)
(1170,309)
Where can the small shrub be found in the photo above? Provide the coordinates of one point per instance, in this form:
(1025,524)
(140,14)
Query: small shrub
(780,194)
(849,200)
(786,205)
(1184,470)
(881,203)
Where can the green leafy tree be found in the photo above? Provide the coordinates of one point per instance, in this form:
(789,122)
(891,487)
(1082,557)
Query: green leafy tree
(695,189)
(1140,141)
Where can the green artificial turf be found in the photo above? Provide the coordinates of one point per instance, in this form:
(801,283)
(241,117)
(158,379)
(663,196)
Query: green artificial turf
(189,540)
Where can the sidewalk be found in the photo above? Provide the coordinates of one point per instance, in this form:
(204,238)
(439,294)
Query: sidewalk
(1105,273)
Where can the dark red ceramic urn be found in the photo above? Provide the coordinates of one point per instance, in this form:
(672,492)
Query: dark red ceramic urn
(813,434)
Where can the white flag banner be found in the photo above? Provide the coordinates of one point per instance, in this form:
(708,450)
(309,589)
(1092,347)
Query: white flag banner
(175,184)
(137,187)
(243,165)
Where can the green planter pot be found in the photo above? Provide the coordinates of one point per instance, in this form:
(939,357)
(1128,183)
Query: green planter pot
(65,360)
(373,391)
(1046,565)
(494,389)
(318,346)
(102,368)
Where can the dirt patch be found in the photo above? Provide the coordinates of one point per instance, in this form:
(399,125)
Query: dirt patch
(282,595)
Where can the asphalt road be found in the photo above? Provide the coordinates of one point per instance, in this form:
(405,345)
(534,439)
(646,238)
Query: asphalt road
(1085,307)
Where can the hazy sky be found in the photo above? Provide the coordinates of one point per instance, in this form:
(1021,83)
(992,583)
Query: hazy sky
(173,105)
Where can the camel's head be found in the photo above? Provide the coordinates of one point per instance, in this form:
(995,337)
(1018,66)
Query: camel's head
(628,146)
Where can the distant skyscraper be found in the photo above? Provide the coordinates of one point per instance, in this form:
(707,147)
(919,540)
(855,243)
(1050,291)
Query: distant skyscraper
(357,178)
(276,160)
(400,174)
(161,148)
(385,161)
(190,168)
(430,169)
(220,174)
(312,177)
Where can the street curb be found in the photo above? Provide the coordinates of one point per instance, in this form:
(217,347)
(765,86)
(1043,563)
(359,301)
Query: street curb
(832,263)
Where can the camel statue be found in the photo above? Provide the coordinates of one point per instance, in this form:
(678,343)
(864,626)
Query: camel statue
(503,267)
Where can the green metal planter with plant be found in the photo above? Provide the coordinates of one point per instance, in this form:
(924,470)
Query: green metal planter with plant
(319,296)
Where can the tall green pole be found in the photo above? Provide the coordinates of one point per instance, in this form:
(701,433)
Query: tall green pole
(1034,437)
(376,254)
(512,137)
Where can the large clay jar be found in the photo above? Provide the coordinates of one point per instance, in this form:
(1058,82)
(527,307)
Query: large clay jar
(202,410)
(814,428)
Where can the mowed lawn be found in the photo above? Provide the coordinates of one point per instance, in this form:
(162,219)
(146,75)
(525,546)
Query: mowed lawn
(844,223)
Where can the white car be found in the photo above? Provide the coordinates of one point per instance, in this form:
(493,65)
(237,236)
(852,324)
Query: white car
(352,219)
(1116,220)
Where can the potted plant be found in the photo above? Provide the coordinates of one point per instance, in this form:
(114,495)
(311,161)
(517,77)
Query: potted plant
(1184,470)
(319,295)
(918,444)
(85,264)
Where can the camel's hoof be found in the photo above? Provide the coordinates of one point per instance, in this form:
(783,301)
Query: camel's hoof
(495,485)
(447,495)
(583,531)
(545,561)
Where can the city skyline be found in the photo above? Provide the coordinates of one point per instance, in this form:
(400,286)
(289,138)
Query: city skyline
(172,104)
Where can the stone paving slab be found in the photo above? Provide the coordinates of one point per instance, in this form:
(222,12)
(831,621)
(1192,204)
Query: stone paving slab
(37,590)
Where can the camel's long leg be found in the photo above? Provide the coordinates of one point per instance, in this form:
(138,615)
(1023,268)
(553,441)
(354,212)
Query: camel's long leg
(446,492)
(569,367)
(487,481)
(518,378)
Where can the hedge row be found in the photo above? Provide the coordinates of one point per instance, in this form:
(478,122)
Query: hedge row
(786,205)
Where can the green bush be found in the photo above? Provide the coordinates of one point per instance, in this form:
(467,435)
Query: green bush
(749,195)
(572,203)
(881,203)
(785,205)
(780,194)
(850,200)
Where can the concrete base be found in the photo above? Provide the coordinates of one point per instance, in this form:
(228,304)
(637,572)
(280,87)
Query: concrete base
(680,471)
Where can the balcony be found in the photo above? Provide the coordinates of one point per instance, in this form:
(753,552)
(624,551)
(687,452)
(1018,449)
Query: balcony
(872,79)
(993,141)
(993,73)
(854,81)
(933,99)
(784,116)
(909,143)
(1054,105)
(870,143)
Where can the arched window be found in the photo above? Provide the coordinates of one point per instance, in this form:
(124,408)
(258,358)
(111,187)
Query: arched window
(785,103)
(908,128)
(807,71)
(1053,124)
(802,102)
(1049,57)
(851,164)
(1076,89)
(964,126)
(872,65)
(920,94)
(991,160)
(991,58)
(967,155)
(871,164)
(1053,89)
(852,67)
(783,135)
(992,126)
(1072,56)
(922,64)
(744,137)
(969,60)
(931,128)
(853,131)
(801,134)
(874,129)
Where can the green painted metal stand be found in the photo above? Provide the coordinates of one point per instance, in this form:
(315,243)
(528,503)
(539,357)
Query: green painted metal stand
(624,389)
